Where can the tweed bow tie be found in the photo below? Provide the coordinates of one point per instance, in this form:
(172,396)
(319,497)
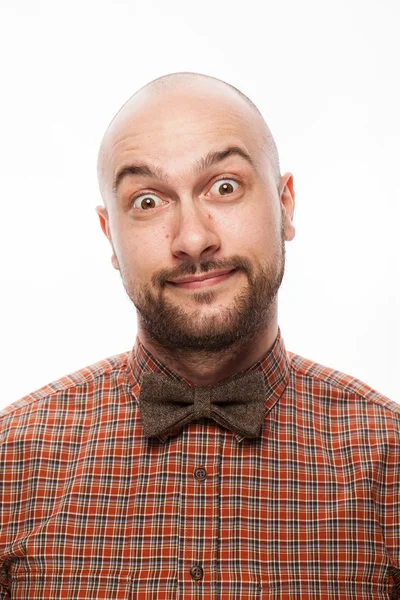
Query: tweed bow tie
(166,405)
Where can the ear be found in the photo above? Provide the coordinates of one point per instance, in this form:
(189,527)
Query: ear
(103,217)
(105,226)
(287,205)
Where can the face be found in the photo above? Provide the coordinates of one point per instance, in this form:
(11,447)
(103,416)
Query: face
(196,221)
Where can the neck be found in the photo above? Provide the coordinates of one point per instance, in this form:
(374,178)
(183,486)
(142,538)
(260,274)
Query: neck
(208,368)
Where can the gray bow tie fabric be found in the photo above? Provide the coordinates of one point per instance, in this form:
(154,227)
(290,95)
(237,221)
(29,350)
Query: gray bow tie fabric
(166,405)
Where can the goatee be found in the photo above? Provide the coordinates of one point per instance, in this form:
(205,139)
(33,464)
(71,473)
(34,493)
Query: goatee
(178,330)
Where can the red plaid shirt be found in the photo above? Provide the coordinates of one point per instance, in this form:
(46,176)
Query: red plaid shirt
(90,508)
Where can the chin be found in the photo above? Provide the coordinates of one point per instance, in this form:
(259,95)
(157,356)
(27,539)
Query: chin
(210,298)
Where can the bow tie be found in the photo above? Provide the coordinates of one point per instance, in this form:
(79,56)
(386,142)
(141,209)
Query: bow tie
(166,405)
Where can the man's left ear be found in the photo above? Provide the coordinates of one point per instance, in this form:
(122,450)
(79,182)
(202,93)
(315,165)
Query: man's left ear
(287,205)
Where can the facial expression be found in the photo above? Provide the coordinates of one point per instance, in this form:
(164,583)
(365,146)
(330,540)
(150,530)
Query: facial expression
(194,216)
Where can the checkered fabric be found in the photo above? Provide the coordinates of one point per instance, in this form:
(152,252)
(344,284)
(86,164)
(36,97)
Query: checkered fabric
(91,508)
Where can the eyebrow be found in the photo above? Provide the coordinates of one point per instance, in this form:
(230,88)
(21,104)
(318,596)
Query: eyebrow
(212,158)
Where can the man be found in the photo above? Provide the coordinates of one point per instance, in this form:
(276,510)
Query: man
(209,462)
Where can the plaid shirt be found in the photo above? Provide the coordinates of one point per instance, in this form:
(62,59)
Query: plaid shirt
(90,508)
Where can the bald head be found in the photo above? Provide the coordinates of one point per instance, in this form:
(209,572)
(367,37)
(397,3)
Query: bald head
(176,97)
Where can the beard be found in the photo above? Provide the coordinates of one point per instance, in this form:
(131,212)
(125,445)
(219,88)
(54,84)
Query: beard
(180,330)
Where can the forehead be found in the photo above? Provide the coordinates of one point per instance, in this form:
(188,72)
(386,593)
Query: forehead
(174,130)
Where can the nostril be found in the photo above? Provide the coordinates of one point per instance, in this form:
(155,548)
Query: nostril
(195,244)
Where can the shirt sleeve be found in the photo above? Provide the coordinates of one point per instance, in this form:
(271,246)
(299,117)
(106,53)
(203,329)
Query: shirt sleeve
(387,498)
(5,593)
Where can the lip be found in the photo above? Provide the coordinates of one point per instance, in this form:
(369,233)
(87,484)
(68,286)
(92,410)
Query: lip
(203,280)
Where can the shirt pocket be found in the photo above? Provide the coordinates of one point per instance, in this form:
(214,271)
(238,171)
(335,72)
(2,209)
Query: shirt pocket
(153,584)
(332,590)
(36,584)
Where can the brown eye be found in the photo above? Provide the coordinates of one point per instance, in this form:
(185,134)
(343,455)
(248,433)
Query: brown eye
(224,187)
(147,202)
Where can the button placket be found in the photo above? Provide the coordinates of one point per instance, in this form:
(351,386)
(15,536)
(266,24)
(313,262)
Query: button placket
(200,522)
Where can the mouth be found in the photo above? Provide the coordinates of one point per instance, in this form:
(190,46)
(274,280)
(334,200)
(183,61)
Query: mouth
(206,279)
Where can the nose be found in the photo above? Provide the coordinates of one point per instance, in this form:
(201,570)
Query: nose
(196,237)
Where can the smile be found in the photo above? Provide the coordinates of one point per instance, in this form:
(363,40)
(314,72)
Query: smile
(200,281)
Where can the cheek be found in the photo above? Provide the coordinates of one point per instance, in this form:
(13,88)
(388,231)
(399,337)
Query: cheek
(142,252)
(249,231)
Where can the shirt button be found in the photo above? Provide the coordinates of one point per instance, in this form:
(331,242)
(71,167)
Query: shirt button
(196,572)
(200,473)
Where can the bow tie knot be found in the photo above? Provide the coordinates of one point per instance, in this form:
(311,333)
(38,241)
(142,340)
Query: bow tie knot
(202,402)
(166,405)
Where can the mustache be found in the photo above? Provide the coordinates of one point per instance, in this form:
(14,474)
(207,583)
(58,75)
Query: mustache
(236,262)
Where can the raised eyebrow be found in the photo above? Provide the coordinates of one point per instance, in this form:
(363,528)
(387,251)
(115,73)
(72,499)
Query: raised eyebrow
(213,157)
(138,170)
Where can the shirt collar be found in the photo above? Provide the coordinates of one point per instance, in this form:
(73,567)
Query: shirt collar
(275,366)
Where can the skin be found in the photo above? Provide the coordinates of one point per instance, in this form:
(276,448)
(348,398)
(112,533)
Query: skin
(192,221)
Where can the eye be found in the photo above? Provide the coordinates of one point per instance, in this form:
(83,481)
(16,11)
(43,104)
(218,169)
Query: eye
(224,187)
(147,202)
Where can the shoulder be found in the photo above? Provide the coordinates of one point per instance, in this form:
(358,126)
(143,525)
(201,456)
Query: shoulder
(85,381)
(337,386)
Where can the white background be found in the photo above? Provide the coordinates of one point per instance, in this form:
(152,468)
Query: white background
(326,77)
